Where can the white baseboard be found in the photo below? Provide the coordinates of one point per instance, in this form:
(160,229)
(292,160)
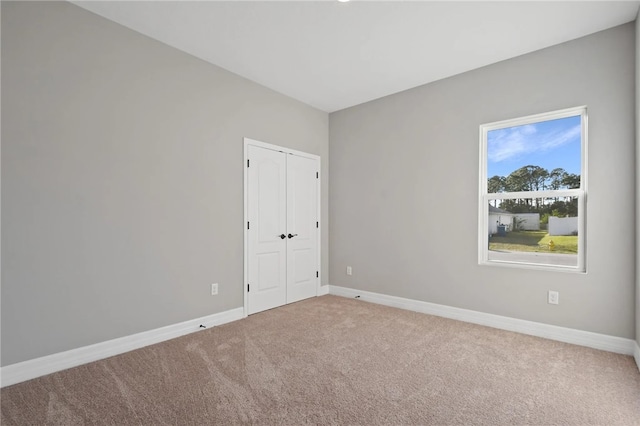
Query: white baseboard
(27,370)
(22,371)
(568,335)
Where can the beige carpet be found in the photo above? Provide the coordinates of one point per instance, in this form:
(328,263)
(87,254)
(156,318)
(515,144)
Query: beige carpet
(331,360)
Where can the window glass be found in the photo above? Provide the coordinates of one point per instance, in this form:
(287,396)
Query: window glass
(535,156)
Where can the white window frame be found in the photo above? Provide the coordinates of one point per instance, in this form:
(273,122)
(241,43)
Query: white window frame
(580,193)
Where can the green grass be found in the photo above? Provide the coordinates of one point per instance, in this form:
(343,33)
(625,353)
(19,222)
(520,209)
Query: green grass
(534,241)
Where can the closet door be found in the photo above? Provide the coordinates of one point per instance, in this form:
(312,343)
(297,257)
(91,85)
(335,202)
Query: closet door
(302,256)
(282,228)
(267,241)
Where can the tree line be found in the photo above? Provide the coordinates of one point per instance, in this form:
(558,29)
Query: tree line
(536,178)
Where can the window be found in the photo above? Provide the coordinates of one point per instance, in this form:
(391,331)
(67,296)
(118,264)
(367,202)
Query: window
(533,186)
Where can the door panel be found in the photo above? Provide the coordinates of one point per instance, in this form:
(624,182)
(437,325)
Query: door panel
(267,252)
(303,265)
(302,210)
(269,271)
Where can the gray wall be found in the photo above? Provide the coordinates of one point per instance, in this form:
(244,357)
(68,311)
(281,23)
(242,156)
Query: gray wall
(638,178)
(404,187)
(122,179)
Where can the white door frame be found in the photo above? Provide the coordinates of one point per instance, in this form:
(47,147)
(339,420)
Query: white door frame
(254,142)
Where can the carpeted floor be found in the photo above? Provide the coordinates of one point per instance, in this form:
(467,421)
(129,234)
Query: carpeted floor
(331,360)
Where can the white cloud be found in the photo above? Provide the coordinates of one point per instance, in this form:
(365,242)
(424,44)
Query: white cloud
(558,138)
(513,142)
(508,143)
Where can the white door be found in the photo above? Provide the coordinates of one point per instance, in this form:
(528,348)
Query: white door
(267,225)
(302,256)
(282,228)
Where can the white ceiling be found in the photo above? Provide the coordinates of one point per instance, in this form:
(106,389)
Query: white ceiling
(334,55)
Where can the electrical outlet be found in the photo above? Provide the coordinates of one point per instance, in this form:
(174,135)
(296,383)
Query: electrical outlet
(214,289)
(553,297)
(349,270)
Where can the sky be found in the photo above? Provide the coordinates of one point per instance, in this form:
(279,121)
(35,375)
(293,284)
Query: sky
(548,144)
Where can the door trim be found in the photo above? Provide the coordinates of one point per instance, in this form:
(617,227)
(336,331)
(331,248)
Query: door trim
(252,142)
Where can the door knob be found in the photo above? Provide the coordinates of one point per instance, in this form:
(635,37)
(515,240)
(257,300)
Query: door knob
(283,236)
(292,235)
